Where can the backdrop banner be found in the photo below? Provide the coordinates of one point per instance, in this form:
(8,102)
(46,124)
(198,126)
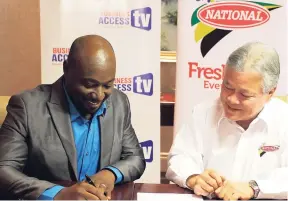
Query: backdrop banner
(133,29)
(208,31)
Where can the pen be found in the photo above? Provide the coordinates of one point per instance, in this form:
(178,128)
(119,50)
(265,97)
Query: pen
(89,180)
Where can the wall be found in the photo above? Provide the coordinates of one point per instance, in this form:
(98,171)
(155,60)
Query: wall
(19,46)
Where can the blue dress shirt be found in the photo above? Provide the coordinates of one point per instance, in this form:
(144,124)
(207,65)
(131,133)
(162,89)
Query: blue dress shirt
(87,142)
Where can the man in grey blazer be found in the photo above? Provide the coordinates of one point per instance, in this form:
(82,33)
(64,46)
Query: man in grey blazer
(78,126)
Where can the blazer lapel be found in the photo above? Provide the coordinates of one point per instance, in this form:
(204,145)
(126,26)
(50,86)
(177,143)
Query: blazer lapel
(59,111)
(107,134)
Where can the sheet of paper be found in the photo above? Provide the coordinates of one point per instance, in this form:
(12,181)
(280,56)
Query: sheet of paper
(167,196)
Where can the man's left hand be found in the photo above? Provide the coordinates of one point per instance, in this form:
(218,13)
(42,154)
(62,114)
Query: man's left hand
(235,191)
(105,179)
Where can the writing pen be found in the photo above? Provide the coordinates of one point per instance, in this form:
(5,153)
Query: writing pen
(89,180)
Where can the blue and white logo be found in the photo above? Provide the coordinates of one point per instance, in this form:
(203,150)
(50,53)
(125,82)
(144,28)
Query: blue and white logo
(141,18)
(147,147)
(143,84)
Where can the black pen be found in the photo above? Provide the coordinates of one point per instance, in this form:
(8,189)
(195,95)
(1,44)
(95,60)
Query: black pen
(89,180)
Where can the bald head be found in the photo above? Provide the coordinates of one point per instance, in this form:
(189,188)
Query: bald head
(89,73)
(91,49)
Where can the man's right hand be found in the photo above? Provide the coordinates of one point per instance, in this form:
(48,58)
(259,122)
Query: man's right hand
(205,183)
(81,191)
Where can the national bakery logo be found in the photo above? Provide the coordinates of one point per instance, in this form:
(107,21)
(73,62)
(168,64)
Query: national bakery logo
(140,18)
(233,15)
(267,148)
(59,55)
(215,20)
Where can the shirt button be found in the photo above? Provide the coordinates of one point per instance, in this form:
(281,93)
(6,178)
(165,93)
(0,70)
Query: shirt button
(87,154)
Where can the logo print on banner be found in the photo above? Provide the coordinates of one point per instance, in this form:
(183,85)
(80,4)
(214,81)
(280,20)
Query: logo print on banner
(210,76)
(143,84)
(140,84)
(140,18)
(216,20)
(147,147)
(59,55)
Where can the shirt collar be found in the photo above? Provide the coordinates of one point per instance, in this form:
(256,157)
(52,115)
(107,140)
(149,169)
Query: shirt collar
(264,115)
(74,114)
(222,115)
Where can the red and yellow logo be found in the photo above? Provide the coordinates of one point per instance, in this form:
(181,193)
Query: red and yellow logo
(267,148)
(233,15)
(214,21)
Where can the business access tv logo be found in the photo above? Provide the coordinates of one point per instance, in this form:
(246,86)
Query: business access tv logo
(215,20)
(139,84)
(147,147)
(59,54)
(140,18)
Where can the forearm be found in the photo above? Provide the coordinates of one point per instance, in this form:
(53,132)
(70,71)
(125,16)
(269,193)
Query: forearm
(20,185)
(272,189)
(275,186)
(132,167)
(180,167)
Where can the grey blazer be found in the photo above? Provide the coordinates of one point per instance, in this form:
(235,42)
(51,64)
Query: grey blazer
(37,145)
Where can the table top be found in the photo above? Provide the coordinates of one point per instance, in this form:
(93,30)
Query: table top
(128,191)
(123,191)
(158,188)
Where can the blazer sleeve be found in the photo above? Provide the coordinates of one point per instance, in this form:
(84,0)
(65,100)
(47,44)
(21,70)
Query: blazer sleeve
(14,135)
(132,162)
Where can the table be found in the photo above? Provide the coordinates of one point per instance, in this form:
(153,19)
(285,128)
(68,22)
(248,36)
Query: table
(128,191)
(158,188)
(120,192)
(123,192)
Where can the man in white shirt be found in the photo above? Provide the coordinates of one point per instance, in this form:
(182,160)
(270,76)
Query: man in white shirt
(236,147)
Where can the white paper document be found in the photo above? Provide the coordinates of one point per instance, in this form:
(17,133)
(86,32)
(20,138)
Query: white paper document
(167,196)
